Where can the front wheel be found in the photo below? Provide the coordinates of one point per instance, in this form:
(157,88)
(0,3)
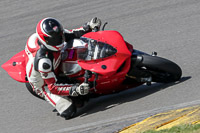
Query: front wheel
(160,69)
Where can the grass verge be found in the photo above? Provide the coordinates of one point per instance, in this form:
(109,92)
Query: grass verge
(179,129)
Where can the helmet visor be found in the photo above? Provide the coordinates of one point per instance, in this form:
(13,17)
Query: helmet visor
(55,39)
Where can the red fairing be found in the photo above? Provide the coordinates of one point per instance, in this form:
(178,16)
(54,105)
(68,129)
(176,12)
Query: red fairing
(130,47)
(16,66)
(112,70)
(113,38)
(114,62)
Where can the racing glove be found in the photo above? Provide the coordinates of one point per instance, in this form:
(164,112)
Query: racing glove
(95,23)
(82,89)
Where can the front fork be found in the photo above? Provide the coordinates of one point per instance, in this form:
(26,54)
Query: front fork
(137,70)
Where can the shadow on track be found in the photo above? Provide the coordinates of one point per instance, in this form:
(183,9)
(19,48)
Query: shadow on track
(109,101)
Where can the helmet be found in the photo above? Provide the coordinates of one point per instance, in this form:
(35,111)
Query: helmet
(50,34)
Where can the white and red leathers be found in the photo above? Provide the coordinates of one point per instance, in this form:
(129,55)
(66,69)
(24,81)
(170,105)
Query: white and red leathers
(42,68)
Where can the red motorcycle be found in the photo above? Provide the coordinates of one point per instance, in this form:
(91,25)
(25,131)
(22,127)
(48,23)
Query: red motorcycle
(108,63)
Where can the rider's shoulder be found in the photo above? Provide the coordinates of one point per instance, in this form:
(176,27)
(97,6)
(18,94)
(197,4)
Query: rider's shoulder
(32,43)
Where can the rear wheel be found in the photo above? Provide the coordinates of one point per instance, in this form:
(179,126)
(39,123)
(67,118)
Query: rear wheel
(30,89)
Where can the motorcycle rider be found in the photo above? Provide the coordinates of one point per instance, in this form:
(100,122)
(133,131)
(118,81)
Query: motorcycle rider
(44,56)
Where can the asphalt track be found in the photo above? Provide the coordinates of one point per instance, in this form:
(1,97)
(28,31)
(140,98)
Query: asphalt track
(170,27)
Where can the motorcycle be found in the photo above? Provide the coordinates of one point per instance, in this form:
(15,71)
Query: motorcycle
(107,62)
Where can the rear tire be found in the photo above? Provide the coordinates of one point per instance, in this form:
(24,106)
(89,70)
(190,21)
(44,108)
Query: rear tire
(30,89)
(161,70)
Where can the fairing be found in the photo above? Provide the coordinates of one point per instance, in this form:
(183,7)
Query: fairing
(95,50)
(16,66)
(110,64)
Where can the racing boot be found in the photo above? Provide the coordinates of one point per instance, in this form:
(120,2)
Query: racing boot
(69,113)
(66,108)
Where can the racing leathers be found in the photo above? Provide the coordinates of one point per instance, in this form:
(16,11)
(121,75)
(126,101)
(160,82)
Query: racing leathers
(42,68)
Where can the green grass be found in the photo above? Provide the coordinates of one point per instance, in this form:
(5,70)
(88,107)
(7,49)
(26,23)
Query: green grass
(179,129)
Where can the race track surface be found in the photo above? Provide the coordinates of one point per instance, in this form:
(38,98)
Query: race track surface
(169,27)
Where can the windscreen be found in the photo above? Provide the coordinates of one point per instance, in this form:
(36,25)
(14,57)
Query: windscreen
(95,50)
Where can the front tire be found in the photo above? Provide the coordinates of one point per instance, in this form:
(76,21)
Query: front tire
(161,70)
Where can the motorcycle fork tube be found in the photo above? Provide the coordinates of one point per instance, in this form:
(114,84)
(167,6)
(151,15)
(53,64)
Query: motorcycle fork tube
(137,71)
(134,71)
(94,82)
(87,75)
